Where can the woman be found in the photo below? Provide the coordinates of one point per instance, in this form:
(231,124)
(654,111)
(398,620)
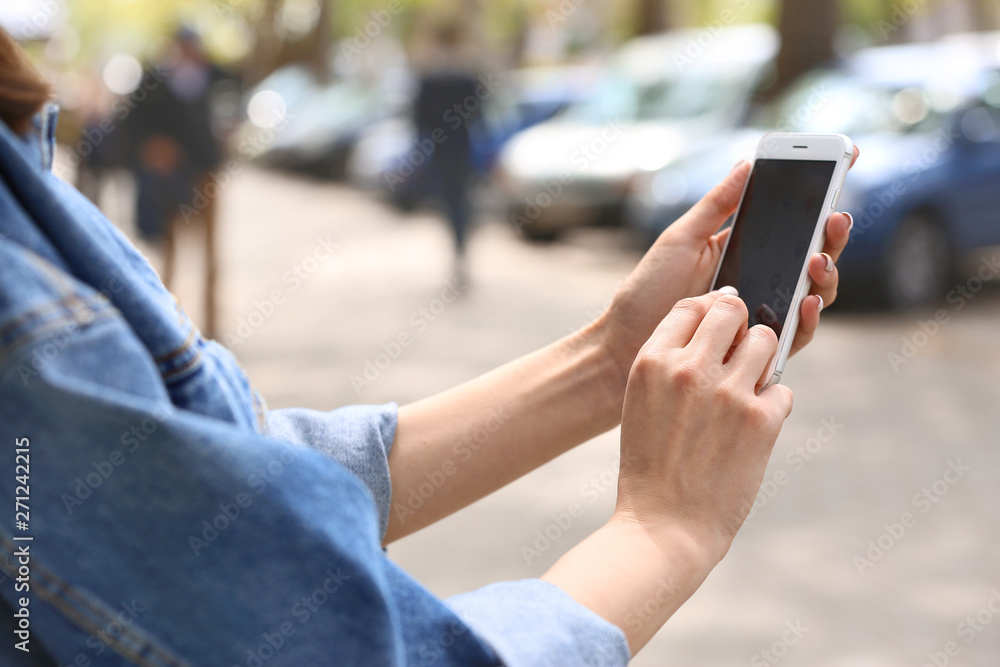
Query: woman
(174,520)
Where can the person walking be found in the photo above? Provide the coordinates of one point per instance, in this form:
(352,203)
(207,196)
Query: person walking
(445,109)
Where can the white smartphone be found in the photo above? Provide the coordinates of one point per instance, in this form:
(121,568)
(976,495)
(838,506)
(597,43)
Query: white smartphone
(793,188)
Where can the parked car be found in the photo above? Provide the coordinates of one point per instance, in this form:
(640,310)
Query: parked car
(384,158)
(267,106)
(325,129)
(660,96)
(927,119)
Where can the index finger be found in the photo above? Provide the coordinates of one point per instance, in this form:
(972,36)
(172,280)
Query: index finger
(723,327)
(679,326)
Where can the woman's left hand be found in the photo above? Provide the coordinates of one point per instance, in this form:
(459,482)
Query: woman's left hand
(682,263)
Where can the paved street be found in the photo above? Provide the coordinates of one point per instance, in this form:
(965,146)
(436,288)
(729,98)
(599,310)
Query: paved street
(877,541)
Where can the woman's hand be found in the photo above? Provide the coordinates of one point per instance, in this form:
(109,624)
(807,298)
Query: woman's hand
(696,435)
(683,260)
(696,438)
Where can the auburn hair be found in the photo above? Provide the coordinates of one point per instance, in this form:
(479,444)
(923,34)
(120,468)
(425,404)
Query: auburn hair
(22,89)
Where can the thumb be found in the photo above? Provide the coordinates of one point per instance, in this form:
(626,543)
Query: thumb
(705,217)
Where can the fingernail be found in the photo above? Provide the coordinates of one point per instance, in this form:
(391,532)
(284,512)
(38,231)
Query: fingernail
(730,290)
(820,303)
(850,220)
(829,262)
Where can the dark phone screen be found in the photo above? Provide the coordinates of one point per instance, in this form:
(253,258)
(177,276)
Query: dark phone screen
(771,235)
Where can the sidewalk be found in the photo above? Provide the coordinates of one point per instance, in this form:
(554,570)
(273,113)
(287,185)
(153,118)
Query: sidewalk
(878,531)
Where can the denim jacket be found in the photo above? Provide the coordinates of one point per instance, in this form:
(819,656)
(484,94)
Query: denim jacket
(167,518)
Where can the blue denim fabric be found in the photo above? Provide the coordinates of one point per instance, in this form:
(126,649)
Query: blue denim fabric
(174,520)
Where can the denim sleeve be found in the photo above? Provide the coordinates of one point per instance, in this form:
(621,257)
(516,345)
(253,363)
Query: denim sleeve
(533,622)
(357,437)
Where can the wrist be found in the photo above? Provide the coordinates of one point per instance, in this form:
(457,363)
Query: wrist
(633,574)
(674,541)
(615,359)
(597,358)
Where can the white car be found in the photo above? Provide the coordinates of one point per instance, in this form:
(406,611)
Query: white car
(659,97)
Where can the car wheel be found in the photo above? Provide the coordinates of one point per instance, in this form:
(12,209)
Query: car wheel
(917,263)
(540,235)
(531,229)
(404,201)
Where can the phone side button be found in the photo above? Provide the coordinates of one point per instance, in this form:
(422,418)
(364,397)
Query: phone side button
(836,198)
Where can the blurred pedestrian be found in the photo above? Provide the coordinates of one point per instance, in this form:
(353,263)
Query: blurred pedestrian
(173,151)
(445,107)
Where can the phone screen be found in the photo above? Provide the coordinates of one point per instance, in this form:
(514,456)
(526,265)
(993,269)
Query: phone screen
(771,235)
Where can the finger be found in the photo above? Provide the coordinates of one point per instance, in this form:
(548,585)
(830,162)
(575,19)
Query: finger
(725,322)
(838,233)
(780,398)
(705,217)
(812,306)
(854,158)
(752,356)
(825,277)
(681,323)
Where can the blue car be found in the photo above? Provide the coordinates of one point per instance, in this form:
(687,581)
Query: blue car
(927,188)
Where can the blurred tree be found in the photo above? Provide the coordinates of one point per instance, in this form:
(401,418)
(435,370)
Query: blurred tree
(319,42)
(807,30)
(267,45)
(651,17)
(985,14)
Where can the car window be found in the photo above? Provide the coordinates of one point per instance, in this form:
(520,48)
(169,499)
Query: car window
(669,98)
(832,102)
(685,97)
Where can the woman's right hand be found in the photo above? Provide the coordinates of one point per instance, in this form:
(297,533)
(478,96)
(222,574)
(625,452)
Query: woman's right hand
(696,435)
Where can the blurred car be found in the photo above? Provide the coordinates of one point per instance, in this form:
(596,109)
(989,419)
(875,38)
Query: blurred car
(323,130)
(266,108)
(385,160)
(927,118)
(660,96)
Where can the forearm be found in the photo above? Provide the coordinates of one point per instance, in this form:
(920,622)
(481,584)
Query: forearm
(633,575)
(458,446)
